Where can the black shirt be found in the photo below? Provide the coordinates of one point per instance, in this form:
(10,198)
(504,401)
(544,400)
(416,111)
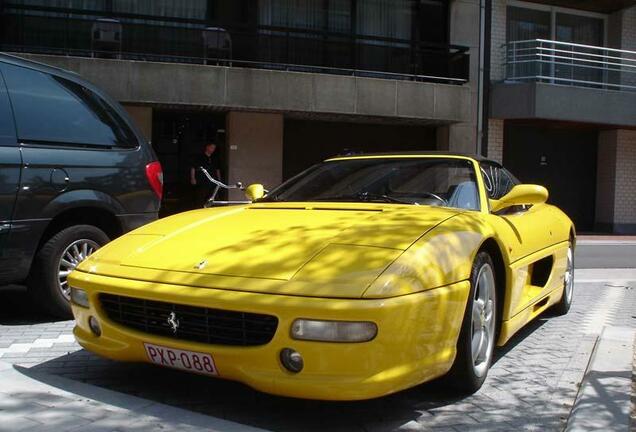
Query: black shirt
(210,163)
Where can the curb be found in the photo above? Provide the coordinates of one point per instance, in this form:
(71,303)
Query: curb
(586,275)
(604,398)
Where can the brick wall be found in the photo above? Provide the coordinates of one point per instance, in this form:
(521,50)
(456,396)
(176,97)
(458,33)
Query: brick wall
(498,38)
(495,139)
(616,181)
(628,39)
(625,192)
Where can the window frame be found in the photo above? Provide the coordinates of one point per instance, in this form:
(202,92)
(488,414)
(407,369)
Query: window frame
(554,10)
(114,115)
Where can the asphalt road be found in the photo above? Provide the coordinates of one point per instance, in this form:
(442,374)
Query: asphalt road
(605,254)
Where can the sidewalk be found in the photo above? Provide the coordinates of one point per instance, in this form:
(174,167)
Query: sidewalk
(604,402)
(32,401)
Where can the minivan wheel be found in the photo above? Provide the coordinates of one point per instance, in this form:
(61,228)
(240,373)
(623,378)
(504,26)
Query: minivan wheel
(54,262)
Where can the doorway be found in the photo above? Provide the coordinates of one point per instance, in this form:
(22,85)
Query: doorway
(563,159)
(178,136)
(308,142)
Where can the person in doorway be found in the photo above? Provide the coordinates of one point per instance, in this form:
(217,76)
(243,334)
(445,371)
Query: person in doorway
(209,160)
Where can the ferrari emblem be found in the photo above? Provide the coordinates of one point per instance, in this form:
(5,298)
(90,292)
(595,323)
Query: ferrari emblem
(173,322)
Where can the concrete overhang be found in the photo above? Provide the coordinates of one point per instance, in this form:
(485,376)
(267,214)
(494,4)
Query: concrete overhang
(297,93)
(563,103)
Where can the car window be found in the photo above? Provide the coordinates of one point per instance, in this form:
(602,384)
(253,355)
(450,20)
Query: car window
(7,128)
(497,180)
(50,109)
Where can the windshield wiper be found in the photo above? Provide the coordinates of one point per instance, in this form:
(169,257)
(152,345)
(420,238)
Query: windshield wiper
(363,197)
(366,196)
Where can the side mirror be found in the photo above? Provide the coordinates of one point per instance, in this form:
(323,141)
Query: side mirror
(523,194)
(254,192)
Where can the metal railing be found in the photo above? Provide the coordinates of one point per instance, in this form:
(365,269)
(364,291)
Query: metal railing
(67,31)
(565,63)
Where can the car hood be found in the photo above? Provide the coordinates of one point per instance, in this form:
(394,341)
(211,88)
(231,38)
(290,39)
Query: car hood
(330,243)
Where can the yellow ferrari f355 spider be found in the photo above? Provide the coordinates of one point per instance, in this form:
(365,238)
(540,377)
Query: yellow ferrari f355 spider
(360,277)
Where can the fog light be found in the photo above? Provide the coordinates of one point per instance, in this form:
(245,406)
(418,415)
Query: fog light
(94,325)
(79,297)
(292,360)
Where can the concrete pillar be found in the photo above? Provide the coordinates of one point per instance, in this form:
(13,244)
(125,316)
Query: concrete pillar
(464,30)
(255,149)
(616,182)
(142,116)
(495,139)
(497,39)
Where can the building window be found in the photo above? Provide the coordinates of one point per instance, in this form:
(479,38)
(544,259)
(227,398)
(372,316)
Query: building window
(192,9)
(547,61)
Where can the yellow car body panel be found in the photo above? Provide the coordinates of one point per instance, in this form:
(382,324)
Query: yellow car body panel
(418,347)
(405,268)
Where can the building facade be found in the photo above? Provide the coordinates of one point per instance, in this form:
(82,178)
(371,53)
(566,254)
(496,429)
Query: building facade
(278,84)
(563,104)
(547,87)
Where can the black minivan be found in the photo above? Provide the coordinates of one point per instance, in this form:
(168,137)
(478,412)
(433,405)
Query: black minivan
(74,173)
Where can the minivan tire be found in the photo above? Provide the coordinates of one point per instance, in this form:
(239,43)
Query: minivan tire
(43,285)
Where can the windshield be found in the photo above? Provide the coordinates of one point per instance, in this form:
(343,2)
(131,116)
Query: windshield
(415,181)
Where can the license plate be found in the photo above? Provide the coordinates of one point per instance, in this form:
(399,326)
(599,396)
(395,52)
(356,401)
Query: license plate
(179,359)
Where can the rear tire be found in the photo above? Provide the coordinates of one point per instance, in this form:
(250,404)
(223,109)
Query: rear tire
(563,306)
(476,342)
(47,280)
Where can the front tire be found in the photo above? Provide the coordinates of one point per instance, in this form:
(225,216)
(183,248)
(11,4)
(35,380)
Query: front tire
(476,342)
(563,306)
(54,261)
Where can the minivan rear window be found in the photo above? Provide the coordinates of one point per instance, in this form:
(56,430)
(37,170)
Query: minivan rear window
(7,128)
(50,109)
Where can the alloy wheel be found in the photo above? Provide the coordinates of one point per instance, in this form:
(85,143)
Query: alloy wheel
(569,276)
(483,320)
(74,254)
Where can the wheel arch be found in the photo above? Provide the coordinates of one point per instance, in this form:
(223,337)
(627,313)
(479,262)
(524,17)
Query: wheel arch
(83,215)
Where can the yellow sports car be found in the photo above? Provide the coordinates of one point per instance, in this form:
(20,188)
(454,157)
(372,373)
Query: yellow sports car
(360,277)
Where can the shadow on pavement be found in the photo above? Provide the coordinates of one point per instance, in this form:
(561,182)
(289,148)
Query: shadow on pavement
(238,403)
(17,308)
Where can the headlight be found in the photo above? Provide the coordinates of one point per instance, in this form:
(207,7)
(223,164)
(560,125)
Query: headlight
(79,297)
(333,331)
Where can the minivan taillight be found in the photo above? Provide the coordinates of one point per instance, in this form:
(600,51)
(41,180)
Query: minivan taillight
(154,173)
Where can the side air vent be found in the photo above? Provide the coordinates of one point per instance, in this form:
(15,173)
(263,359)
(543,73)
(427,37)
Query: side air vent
(541,271)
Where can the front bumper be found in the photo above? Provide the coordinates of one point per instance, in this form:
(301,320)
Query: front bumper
(416,339)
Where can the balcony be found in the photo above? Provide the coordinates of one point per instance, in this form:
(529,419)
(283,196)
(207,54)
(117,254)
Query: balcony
(541,60)
(553,80)
(95,33)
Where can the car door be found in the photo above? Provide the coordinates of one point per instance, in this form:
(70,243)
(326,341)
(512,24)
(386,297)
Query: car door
(524,223)
(526,231)
(10,164)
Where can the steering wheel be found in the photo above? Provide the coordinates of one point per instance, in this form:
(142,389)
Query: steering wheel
(437,197)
